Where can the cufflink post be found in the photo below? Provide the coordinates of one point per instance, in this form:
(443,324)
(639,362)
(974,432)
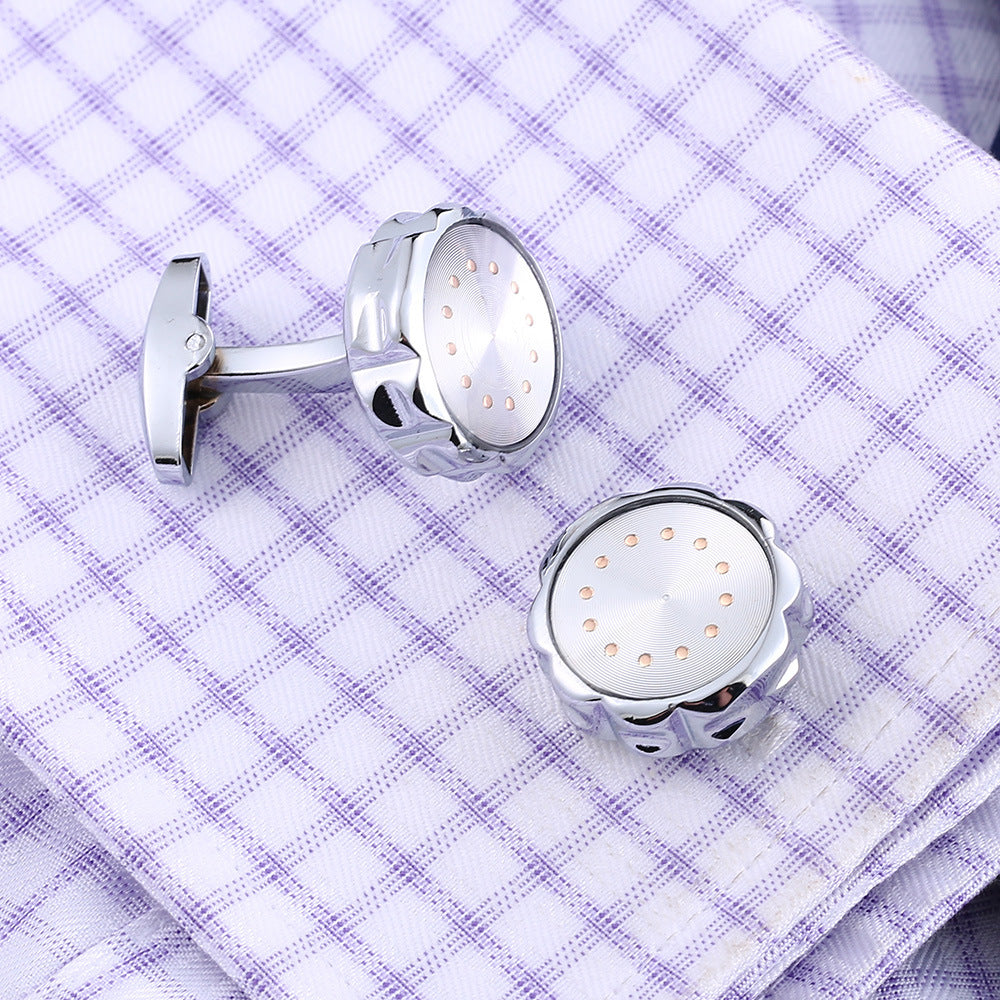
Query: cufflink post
(184,372)
(449,338)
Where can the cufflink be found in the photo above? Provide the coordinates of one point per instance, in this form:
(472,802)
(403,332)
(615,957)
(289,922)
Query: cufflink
(450,340)
(669,620)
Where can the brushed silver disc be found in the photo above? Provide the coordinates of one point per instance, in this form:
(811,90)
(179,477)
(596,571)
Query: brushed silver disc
(660,599)
(491,339)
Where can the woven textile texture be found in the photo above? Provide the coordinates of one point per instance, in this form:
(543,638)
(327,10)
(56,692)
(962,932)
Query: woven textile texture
(881,929)
(295,701)
(960,962)
(72,922)
(946,53)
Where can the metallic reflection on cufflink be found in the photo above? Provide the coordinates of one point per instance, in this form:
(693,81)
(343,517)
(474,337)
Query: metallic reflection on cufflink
(669,620)
(450,340)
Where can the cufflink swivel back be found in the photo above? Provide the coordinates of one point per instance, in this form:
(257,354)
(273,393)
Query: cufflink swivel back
(450,341)
(669,620)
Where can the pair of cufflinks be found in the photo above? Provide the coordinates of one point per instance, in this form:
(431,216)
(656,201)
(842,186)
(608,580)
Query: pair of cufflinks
(667,620)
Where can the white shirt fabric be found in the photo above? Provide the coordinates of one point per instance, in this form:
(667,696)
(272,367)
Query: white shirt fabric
(295,702)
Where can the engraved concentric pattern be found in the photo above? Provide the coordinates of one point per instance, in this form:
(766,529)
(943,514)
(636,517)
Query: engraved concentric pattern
(490,335)
(660,599)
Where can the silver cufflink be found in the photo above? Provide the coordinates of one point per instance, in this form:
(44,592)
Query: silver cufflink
(450,340)
(669,620)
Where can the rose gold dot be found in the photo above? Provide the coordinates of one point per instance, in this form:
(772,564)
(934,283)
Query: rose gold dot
(631,540)
(471,265)
(667,534)
(645,660)
(711,631)
(514,287)
(601,562)
(451,348)
(589,625)
(722,567)
(525,386)
(700,543)
(611,649)
(487,401)
(681,652)
(509,403)
(453,281)
(725,600)
(493,267)
(529,319)
(533,356)
(466,382)
(446,312)
(586,593)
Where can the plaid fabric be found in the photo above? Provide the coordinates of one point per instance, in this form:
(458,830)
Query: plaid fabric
(150,959)
(296,699)
(946,53)
(73,924)
(961,962)
(888,917)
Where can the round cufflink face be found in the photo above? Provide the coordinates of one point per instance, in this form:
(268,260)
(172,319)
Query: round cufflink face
(453,342)
(661,598)
(491,335)
(669,619)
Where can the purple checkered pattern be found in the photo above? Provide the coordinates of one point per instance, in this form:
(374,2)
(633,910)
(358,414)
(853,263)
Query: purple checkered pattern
(961,962)
(946,53)
(873,922)
(296,700)
(73,924)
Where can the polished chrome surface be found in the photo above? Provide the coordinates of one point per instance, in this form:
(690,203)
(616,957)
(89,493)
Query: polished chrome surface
(177,350)
(402,351)
(669,620)
(310,366)
(490,336)
(183,372)
(457,363)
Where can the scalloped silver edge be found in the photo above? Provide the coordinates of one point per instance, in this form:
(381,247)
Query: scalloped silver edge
(386,347)
(668,728)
